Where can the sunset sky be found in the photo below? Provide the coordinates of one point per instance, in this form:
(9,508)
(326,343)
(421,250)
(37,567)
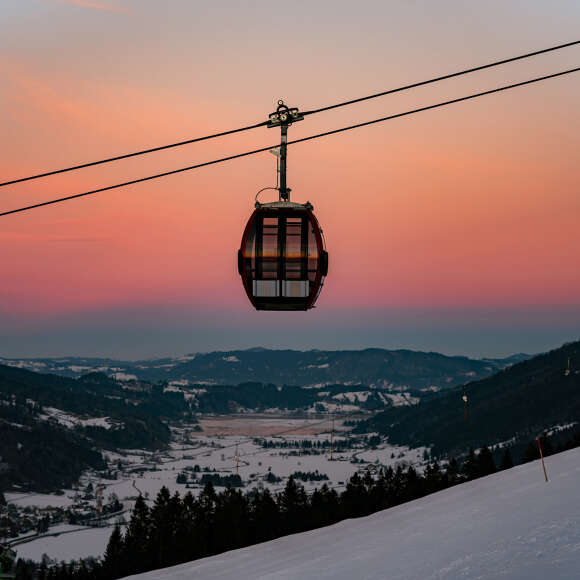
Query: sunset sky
(455,230)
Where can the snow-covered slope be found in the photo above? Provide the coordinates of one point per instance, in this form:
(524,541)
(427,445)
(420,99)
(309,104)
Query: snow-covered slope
(511,525)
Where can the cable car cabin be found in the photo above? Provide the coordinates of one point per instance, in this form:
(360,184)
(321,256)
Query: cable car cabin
(282,260)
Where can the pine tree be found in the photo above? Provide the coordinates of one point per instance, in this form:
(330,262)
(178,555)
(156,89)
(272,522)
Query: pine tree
(433,478)
(185,543)
(137,552)
(485,462)
(83,572)
(204,517)
(293,505)
(353,498)
(531,453)
(43,568)
(397,486)
(317,514)
(546,443)
(231,520)
(413,487)
(506,461)
(162,528)
(264,517)
(469,468)
(452,472)
(113,560)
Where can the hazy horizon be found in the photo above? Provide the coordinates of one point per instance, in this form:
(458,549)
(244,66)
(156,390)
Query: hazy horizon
(498,333)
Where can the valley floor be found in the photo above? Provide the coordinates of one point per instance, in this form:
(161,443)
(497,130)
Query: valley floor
(510,525)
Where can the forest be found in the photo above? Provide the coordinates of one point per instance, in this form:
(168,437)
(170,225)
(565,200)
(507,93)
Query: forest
(518,402)
(39,453)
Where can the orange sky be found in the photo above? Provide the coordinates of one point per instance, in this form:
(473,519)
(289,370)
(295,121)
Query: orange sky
(463,209)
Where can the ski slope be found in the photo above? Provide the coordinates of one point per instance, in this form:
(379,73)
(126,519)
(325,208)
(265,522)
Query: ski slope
(511,525)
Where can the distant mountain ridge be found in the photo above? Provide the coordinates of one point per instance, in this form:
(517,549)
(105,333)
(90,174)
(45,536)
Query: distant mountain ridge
(373,366)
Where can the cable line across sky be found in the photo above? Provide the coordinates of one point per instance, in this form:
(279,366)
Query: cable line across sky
(312,112)
(293,142)
(442,78)
(134,154)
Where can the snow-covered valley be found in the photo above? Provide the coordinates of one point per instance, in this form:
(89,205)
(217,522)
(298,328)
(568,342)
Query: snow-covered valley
(226,446)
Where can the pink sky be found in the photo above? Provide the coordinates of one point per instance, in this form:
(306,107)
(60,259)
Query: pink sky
(462,209)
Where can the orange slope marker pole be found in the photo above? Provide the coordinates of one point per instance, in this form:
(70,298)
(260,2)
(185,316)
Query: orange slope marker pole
(542,458)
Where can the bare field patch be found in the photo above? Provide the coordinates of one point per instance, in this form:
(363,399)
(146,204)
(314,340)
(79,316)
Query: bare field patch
(263,425)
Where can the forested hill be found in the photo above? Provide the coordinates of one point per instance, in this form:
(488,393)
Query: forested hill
(518,402)
(51,427)
(373,366)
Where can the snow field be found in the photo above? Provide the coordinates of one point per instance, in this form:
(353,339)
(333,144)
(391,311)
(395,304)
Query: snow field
(83,543)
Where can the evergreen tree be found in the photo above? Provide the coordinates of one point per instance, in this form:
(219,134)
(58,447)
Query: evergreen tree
(531,453)
(185,543)
(162,528)
(433,477)
(386,485)
(83,573)
(137,539)
(546,443)
(231,519)
(204,517)
(264,517)
(378,494)
(114,555)
(469,468)
(43,568)
(317,513)
(485,462)
(353,498)
(293,505)
(506,460)
(413,486)
(452,472)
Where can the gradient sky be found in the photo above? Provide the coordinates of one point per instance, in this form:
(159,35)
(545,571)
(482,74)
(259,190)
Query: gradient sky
(455,230)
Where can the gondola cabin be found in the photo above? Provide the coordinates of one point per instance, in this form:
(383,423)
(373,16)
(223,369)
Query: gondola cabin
(282,260)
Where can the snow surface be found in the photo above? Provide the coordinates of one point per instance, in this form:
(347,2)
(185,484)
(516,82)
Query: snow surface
(511,525)
(120,376)
(71,421)
(38,499)
(401,399)
(83,543)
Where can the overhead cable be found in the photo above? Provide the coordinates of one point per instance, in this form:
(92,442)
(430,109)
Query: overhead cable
(312,112)
(134,154)
(442,78)
(295,141)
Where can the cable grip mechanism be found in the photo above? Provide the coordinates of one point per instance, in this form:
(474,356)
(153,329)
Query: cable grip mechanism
(284,115)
